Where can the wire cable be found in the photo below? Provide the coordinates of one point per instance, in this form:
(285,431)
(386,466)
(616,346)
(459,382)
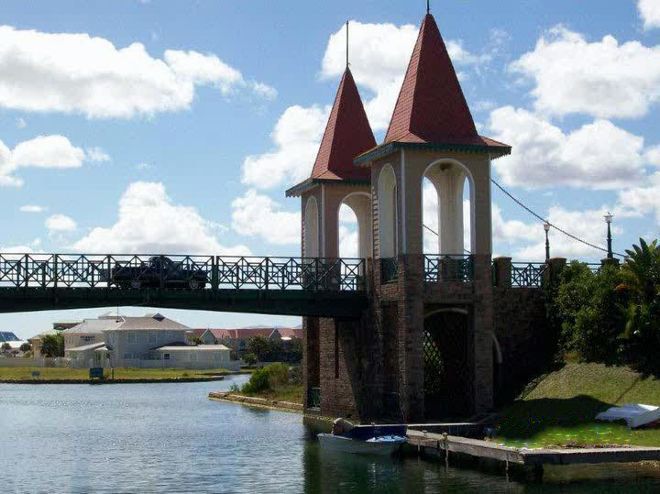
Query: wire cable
(539,217)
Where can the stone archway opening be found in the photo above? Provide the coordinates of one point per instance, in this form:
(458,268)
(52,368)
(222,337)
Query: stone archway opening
(447,207)
(355,226)
(447,369)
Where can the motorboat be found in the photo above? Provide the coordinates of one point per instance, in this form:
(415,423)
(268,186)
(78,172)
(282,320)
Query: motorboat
(381,440)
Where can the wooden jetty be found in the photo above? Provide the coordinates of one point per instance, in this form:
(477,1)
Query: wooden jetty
(535,459)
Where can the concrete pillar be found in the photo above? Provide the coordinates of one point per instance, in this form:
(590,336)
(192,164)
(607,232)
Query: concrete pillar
(502,272)
(482,332)
(555,267)
(311,357)
(450,214)
(411,337)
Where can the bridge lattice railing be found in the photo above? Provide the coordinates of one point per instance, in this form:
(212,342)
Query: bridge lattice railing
(529,274)
(448,267)
(180,272)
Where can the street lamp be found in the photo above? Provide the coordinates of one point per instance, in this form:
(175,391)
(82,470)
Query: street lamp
(608,220)
(546,227)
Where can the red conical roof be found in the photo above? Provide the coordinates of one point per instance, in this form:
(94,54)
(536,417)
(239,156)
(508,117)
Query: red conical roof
(431,106)
(347,135)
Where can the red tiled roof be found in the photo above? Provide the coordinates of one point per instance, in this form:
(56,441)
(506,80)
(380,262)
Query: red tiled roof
(431,107)
(346,135)
(290,332)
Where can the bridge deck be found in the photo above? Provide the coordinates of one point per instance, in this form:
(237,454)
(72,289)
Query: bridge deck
(278,302)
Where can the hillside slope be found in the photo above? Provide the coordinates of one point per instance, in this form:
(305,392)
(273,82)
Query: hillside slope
(560,409)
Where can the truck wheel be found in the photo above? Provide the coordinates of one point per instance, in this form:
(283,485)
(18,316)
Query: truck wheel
(136,284)
(193,284)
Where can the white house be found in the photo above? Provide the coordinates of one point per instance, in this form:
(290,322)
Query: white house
(150,341)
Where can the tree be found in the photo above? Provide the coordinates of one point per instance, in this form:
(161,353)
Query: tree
(641,282)
(250,359)
(26,347)
(5,347)
(52,345)
(259,346)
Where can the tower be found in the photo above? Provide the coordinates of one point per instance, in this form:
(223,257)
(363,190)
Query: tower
(424,349)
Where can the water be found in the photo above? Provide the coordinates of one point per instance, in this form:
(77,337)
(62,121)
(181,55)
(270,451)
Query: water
(171,438)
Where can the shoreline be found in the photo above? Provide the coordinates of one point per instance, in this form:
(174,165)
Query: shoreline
(253,401)
(113,381)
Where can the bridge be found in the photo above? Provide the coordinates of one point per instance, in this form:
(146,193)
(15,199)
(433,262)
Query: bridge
(264,285)
(317,287)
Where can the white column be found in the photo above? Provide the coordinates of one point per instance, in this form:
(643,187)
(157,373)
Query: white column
(450,205)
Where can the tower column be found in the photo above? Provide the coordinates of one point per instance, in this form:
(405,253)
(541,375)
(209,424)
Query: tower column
(450,204)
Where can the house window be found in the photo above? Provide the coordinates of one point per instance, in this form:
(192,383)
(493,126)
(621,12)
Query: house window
(166,356)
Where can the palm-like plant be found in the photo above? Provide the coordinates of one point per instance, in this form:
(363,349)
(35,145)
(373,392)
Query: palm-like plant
(641,272)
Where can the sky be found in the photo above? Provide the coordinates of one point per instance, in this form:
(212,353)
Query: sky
(149,126)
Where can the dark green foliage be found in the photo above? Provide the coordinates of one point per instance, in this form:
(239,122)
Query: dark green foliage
(5,347)
(275,350)
(52,345)
(26,347)
(267,378)
(250,359)
(258,382)
(612,316)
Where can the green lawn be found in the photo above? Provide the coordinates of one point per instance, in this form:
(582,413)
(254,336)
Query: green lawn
(52,373)
(560,410)
(282,392)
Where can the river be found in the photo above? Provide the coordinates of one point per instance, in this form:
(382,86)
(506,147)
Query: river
(143,438)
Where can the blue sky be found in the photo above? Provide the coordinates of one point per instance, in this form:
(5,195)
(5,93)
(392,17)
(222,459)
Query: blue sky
(176,126)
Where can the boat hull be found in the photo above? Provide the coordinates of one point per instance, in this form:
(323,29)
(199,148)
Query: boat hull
(330,442)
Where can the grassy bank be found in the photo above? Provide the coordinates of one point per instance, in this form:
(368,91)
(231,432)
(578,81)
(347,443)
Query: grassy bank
(277,382)
(64,374)
(560,409)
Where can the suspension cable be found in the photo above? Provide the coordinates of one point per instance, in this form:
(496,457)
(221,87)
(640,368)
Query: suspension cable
(539,217)
(438,235)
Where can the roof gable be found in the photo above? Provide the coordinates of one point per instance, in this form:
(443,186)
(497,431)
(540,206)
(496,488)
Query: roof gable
(431,106)
(347,134)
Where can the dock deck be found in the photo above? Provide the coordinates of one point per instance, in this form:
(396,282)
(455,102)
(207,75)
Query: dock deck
(530,457)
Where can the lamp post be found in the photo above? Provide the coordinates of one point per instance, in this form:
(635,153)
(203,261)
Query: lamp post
(546,227)
(608,220)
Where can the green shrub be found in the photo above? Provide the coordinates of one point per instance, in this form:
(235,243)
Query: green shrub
(266,378)
(258,382)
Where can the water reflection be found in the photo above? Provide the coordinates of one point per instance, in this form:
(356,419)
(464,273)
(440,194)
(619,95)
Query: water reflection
(171,438)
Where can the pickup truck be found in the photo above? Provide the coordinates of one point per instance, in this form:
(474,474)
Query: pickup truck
(157,269)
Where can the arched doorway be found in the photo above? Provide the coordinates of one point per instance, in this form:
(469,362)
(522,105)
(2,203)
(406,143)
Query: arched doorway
(447,370)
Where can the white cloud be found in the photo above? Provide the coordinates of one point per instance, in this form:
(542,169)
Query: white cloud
(60,223)
(379,55)
(78,73)
(652,155)
(97,155)
(21,123)
(257,215)
(649,10)
(51,151)
(149,222)
(32,208)
(296,136)
(598,155)
(604,79)
(642,200)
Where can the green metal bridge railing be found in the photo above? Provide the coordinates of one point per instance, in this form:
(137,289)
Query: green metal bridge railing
(180,272)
